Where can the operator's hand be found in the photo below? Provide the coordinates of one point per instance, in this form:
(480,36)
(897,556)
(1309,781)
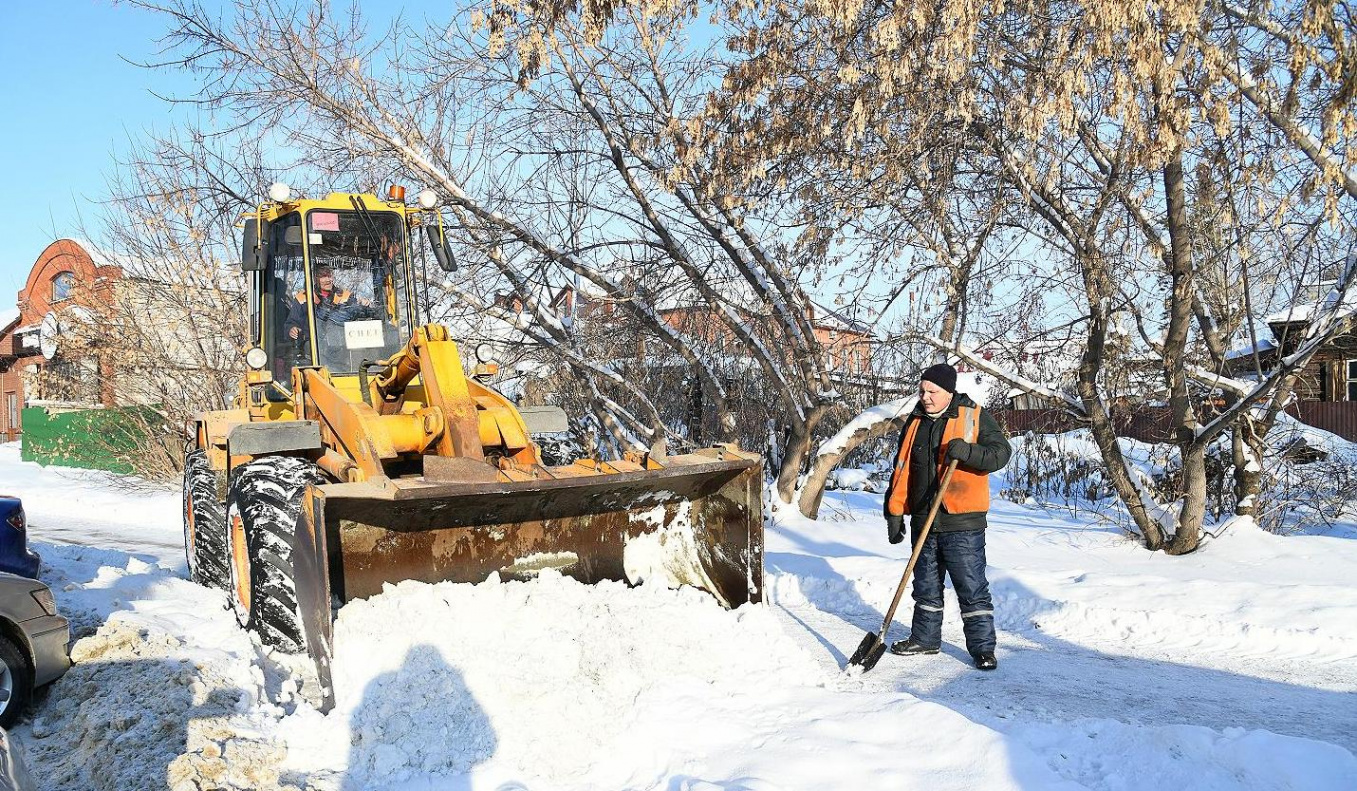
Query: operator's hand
(895,529)
(294,333)
(959,450)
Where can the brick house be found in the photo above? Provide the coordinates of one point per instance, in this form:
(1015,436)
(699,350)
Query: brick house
(11,384)
(848,344)
(63,278)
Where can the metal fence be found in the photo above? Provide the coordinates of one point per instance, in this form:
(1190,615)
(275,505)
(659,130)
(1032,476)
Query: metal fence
(1155,424)
(1338,417)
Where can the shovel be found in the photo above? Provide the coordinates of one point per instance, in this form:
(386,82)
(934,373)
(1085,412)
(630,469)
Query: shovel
(873,645)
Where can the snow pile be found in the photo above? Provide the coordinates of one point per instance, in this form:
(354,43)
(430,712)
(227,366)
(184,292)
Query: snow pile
(433,680)
(135,713)
(852,479)
(1112,754)
(1066,470)
(1309,476)
(162,686)
(668,554)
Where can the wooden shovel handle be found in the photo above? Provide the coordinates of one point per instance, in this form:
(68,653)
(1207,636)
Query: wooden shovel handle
(918,547)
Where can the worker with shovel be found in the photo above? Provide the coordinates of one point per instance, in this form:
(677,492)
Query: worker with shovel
(946,427)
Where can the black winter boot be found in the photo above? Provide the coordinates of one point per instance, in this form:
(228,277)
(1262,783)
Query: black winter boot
(910,648)
(986,661)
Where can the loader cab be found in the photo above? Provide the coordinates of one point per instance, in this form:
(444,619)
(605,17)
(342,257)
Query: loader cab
(335,288)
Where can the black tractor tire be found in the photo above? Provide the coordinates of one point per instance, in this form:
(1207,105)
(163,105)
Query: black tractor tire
(204,523)
(16,683)
(263,511)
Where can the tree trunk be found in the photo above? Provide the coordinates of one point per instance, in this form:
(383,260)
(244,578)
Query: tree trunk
(813,486)
(1104,433)
(795,453)
(1191,451)
(1105,436)
(697,396)
(1247,446)
(1188,535)
(951,309)
(1253,437)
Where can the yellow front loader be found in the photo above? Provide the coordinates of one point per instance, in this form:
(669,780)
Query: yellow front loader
(359,452)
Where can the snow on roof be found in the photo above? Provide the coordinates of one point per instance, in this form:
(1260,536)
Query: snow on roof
(832,319)
(8,316)
(1263,345)
(153,268)
(1308,311)
(99,255)
(1292,313)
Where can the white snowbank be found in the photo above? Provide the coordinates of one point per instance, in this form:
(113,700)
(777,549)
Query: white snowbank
(854,479)
(1185,757)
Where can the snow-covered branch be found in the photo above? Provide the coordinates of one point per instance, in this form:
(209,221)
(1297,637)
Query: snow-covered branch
(1065,401)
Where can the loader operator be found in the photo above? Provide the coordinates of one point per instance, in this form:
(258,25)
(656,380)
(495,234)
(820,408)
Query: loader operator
(333,306)
(946,426)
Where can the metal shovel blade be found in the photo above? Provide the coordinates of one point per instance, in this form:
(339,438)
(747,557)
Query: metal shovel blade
(869,652)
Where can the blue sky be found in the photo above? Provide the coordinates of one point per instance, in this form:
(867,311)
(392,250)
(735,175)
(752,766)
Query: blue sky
(71,104)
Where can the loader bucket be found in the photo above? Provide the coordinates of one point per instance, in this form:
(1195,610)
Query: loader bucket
(697,522)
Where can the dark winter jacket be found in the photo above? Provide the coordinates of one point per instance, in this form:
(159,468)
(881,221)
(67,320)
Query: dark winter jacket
(334,307)
(988,454)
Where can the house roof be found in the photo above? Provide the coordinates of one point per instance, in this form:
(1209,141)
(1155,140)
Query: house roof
(1292,313)
(1305,312)
(1263,345)
(833,319)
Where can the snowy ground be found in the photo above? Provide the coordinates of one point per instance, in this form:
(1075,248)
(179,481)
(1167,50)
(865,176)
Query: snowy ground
(1119,669)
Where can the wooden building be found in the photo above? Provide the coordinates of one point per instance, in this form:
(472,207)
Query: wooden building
(1330,375)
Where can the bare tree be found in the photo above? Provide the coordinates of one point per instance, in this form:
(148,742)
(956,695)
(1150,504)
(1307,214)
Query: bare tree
(598,173)
(167,334)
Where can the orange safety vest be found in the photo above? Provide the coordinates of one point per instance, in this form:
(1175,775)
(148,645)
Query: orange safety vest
(340,297)
(968,492)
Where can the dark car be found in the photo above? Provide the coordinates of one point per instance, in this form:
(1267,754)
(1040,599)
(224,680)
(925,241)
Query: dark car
(34,643)
(15,556)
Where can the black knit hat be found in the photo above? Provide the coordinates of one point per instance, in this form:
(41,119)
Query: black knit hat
(942,375)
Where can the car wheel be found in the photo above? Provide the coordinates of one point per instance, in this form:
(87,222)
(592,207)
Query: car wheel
(16,683)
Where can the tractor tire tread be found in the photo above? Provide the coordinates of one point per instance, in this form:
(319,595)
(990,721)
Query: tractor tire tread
(206,549)
(268,495)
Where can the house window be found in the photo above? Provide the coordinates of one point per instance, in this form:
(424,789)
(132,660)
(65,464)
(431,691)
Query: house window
(12,410)
(1352,380)
(62,285)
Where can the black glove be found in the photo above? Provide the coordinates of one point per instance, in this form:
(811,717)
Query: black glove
(958,450)
(895,529)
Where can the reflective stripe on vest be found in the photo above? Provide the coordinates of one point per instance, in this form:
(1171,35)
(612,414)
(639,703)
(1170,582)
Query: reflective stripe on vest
(968,492)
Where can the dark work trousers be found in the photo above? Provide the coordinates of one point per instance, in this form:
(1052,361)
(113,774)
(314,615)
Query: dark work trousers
(962,555)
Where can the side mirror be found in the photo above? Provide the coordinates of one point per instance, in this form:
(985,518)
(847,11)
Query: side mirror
(252,252)
(441,250)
